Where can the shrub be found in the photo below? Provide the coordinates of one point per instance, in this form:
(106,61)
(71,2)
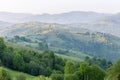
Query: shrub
(20,77)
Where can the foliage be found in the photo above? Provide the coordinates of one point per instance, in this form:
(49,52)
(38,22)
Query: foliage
(18,62)
(70,77)
(42,46)
(103,63)
(96,73)
(114,72)
(69,68)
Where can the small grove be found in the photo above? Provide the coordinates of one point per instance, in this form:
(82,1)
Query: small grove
(52,67)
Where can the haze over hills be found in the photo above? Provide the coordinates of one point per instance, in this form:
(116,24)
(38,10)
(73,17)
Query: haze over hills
(13,17)
(63,18)
(89,29)
(105,23)
(4,24)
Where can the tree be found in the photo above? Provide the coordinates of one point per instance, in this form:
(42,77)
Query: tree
(7,57)
(96,73)
(79,75)
(0,62)
(34,68)
(84,70)
(93,72)
(42,46)
(2,46)
(18,62)
(69,68)
(69,71)
(57,76)
(52,56)
(113,72)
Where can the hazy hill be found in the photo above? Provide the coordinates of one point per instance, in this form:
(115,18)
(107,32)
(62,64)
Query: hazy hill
(70,17)
(105,23)
(71,41)
(109,25)
(14,17)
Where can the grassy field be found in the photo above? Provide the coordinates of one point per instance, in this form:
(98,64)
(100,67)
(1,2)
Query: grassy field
(13,74)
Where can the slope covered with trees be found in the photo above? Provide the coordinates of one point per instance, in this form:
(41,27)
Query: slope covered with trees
(48,66)
(30,61)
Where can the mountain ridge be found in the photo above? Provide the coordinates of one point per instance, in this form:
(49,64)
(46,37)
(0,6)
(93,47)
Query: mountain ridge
(63,18)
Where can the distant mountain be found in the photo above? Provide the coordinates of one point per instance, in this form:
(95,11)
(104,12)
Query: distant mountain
(114,18)
(71,41)
(70,17)
(110,24)
(14,17)
(63,18)
(100,22)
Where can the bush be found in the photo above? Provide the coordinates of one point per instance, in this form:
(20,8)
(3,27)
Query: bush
(4,75)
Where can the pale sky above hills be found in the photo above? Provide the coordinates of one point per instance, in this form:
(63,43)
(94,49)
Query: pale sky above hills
(59,6)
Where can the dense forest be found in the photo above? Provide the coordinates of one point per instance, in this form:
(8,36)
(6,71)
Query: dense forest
(46,65)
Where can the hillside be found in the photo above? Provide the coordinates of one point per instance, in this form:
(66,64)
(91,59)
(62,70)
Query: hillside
(45,65)
(63,39)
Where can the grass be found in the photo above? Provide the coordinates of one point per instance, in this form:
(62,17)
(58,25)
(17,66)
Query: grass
(70,58)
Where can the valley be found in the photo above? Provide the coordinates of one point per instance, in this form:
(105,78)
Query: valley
(67,46)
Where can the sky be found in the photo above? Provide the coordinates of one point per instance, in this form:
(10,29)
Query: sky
(59,6)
